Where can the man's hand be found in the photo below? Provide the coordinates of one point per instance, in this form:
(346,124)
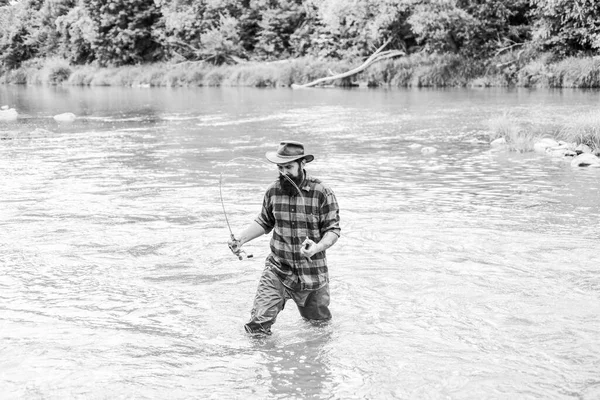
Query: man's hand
(235,246)
(309,248)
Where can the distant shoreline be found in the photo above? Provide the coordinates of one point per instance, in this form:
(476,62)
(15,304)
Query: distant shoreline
(412,71)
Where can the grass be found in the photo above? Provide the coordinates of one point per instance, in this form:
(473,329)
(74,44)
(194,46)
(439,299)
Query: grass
(521,136)
(517,68)
(417,70)
(518,136)
(572,72)
(583,129)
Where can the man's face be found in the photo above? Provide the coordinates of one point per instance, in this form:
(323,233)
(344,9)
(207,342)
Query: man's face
(291,169)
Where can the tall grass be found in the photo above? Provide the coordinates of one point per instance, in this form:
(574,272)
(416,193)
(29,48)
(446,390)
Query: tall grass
(417,70)
(583,129)
(421,70)
(516,68)
(571,72)
(579,72)
(518,136)
(521,136)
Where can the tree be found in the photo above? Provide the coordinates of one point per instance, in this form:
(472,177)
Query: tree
(347,29)
(277,20)
(567,27)
(221,45)
(470,27)
(440,25)
(77,35)
(497,25)
(22,37)
(204,29)
(125,31)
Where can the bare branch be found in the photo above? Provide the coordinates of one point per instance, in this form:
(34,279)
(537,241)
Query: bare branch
(375,57)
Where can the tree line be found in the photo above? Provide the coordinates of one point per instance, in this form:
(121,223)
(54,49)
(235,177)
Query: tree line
(131,32)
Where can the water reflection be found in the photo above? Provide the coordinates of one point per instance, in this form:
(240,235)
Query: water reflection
(298,367)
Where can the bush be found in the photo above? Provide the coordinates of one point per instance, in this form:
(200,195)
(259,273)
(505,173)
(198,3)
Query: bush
(214,77)
(82,76)
(536,74)
(56,71)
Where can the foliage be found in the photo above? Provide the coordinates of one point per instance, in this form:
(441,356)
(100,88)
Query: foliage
(471,27)
(77,33)
(519,137)
(211,30)
(56,71)
(505,33)
(355,28)
(221,45)
(440,25)
(278,21)
(578,72)
(497,25)
(567,27)
(124,31)
(583,129)
(22,33)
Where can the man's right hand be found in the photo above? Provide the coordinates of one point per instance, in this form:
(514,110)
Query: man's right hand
(234,245)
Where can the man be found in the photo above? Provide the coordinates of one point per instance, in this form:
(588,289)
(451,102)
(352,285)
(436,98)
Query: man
(303,215)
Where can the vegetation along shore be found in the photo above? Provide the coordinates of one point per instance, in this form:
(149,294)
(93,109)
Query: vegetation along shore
(269,43)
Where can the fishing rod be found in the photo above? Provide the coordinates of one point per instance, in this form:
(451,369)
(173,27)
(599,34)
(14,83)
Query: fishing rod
(238,252)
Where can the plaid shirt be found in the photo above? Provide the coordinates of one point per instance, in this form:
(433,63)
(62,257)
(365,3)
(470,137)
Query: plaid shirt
(292,219)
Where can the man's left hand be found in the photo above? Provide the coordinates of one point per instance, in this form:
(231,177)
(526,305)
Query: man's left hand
(309,248)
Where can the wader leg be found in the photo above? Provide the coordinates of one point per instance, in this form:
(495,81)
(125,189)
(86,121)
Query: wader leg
(269,301)
(316,306)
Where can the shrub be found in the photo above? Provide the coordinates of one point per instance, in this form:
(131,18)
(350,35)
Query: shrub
(55,71)
(17,76)
(82,76)
(215,77)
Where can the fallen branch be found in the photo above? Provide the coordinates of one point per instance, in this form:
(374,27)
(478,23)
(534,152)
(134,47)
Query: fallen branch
(375,57)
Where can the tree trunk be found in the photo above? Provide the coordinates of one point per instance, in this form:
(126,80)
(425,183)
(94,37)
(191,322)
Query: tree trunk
(375,57)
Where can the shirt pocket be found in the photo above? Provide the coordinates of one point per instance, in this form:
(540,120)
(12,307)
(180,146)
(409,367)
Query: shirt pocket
(312,227)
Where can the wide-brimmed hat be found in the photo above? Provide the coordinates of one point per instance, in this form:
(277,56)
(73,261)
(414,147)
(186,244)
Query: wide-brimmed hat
(288,151)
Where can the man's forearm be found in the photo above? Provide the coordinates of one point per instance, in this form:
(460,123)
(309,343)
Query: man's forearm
(253,231)
(326,242)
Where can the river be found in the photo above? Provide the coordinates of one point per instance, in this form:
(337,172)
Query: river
(469,273)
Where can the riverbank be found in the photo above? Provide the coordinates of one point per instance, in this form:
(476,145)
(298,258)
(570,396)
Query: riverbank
(417,70)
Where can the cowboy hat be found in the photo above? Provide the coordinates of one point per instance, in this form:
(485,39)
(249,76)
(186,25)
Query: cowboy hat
(288,151)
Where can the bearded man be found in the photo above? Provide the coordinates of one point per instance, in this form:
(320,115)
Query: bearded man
(303,215)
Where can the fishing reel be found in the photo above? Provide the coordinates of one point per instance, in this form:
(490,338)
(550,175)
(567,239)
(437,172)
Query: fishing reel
(241,254)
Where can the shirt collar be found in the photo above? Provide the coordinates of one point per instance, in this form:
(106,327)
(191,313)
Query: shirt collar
(304,185)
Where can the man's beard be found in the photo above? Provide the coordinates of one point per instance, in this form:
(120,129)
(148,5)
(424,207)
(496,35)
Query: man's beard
(287,186)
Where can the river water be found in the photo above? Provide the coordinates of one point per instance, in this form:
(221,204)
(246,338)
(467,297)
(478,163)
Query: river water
(469,273)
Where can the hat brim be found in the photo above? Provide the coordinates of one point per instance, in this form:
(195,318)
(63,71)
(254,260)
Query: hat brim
(277,159)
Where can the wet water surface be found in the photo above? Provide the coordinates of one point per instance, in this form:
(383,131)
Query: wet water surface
(466,273)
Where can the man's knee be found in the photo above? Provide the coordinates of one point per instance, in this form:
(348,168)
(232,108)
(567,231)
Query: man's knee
(320,313)
(316,306)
